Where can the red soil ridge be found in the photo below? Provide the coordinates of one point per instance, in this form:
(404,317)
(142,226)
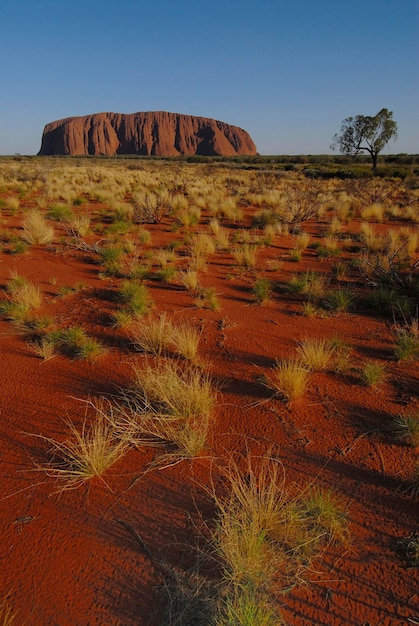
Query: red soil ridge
(151,133)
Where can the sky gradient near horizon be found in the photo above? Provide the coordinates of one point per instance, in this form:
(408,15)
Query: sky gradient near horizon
(287,71)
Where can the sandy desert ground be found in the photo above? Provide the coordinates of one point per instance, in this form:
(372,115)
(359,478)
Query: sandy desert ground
(260,268)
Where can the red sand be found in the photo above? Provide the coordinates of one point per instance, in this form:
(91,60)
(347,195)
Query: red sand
(67,560)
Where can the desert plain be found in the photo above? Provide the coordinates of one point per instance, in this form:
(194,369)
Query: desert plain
(209,407)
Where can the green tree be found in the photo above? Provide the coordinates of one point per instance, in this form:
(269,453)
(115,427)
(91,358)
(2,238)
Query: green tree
(366,133)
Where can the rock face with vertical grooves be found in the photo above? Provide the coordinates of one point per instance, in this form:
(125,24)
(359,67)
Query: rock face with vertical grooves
(151,133)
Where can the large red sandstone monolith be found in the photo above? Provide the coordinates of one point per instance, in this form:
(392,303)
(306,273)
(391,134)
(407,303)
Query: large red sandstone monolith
(152,133)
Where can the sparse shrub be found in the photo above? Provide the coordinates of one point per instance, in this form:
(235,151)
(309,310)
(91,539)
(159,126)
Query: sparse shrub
(302,203)
(151,207)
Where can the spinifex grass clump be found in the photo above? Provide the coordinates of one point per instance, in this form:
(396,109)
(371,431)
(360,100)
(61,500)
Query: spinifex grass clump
(406,344)
(327,513)
(79,224)
(289,378)
(255,507)
(339,300)
(405,429)
(316,354)
(36,230)
(373,373)
(246,255)
(247,606)
(88,453)
(207,298)
(159,334)
(221,235)
(171,389)
(135,298)
(387,301)
(111,259)
(309,283)
(262,290)
(72,341)
(190,280)
(153,335)
(44,347)
(170,405)
(186,341)
(22,297)
(267,534)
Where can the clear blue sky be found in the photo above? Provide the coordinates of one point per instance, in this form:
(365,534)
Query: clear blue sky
(287,71)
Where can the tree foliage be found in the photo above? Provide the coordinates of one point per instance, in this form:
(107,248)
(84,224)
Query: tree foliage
(367,133)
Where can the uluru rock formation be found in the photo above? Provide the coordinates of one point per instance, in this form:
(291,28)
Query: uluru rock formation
(151,133)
